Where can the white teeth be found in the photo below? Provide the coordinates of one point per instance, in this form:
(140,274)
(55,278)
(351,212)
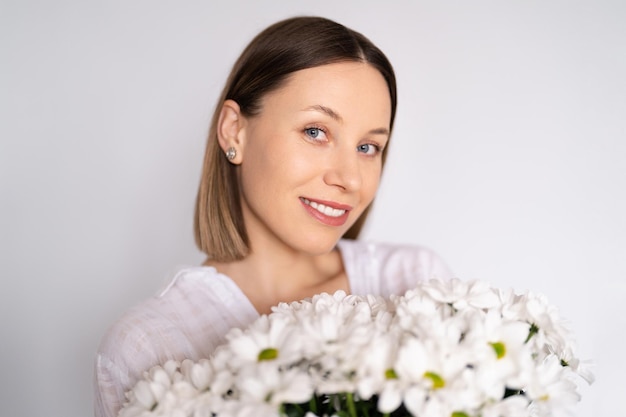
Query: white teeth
(328,211)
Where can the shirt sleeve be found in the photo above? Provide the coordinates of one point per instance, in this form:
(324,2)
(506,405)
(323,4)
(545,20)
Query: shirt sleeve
(126,351)
(403,267)
(108,391)
(385,269)
(189,319)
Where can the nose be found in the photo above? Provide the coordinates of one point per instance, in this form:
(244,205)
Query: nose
(344,171)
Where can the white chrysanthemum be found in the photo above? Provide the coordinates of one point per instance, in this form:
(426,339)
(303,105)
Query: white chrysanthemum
(375,373)
(452,395)
(509,304)
(164,391)
(443,349)
(445,392)
(291,310)
(336,331)
(178,401)
(582,368)
(199,374)
(438,369)
(266,383)
(551,329)
(502,359)
(514,406)
(207,404)
(268,338)
(415,303)
(460,294)
(151,390)
(379,304)
(552,387)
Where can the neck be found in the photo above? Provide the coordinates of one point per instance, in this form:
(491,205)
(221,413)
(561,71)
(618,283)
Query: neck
(269,276)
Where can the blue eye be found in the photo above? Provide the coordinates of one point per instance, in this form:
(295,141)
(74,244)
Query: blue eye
(313,132)
(316,134)
(368,149)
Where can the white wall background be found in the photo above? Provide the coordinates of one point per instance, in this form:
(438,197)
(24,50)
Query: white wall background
(508,159)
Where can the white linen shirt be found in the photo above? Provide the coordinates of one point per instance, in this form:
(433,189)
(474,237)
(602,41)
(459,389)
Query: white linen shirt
(191,317)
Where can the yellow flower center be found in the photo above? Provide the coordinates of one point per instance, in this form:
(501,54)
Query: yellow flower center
(437,380)
(391,374)
(268,354)
(499,348)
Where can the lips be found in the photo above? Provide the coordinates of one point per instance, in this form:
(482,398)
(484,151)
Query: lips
(330,213)
(324,209)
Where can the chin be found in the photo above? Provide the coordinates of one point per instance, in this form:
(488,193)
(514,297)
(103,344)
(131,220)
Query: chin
(320,246)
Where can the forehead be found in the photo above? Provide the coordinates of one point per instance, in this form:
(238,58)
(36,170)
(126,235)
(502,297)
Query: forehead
(347,87)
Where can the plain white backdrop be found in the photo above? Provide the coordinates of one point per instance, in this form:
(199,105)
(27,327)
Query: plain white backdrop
(508,159)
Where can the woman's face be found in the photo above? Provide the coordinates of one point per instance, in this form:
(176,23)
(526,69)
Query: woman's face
(312,158)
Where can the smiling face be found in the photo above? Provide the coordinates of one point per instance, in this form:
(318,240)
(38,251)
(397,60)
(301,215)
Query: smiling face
(311,160)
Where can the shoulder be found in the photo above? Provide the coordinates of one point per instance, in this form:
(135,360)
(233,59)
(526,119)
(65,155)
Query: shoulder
(190,307)
(391,268)
(187,319)
(139,332)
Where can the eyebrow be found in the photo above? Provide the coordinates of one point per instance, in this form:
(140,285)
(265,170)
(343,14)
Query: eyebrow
(326,110)
(335,116)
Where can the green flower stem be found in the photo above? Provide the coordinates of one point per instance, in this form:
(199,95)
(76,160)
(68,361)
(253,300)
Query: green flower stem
(351,407)
(313,404)
(531,332)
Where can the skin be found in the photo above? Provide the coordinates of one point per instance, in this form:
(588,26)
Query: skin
(318,138)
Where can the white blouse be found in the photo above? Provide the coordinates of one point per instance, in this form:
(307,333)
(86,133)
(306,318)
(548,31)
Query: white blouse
(190,318)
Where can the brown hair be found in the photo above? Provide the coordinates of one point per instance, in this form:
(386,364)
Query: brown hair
(283,48)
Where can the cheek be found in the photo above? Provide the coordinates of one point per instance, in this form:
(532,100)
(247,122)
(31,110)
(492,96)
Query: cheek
(294,162)
(270,165)
(370,184)
(254,178)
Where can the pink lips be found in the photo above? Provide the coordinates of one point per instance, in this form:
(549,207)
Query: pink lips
(324,218)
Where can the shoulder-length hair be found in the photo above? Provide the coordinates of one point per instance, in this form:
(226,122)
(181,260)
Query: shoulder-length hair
(283,48)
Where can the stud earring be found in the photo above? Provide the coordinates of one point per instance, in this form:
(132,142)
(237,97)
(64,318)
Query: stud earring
(231,153)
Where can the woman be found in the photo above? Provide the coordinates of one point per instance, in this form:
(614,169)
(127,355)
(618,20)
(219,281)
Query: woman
(294,157)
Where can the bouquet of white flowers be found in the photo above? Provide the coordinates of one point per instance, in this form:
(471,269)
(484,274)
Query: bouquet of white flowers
(443,349)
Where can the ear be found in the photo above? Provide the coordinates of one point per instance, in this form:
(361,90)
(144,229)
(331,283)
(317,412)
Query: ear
(230,129)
